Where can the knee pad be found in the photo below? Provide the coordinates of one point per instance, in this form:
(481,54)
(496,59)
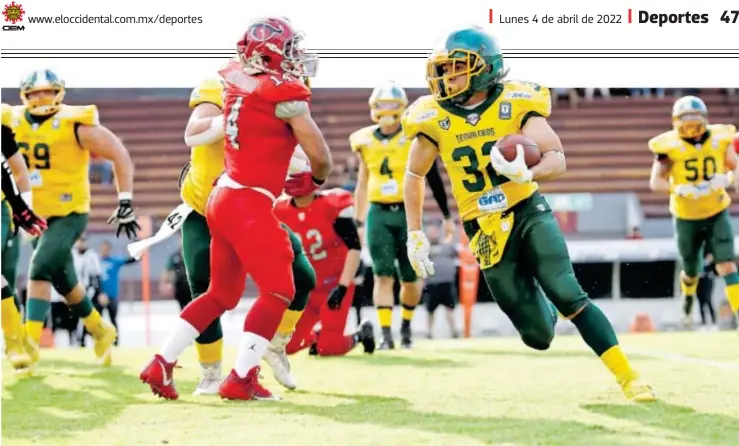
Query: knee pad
(537,341)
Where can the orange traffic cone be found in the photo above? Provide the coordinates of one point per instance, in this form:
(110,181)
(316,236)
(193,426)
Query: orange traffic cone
(642,324)
(47,338)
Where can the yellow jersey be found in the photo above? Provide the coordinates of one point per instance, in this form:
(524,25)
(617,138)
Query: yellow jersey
(696,164)
(385,157)
(58,165)
(206,162)
(465,138)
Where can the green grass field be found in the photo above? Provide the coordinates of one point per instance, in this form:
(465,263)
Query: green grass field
(467,392)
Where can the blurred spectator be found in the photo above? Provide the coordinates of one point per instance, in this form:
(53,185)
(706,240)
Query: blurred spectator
(440,287)
(569,93)
(590,93)
(349,173)
(647,92)
(705,292)
(110,266)
(634,234)
(101,170)
(685,92)
(174,279)
(87,265)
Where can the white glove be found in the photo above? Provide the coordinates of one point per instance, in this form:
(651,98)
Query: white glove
(516,170)
(722,180)
(692,191)
(418,254)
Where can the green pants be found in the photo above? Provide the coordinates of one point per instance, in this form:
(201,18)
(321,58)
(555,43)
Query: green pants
(714,234)
(196,254)
(535,259)
(52,260)
(387,235)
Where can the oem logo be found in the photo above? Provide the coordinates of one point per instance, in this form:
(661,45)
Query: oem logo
(13,13)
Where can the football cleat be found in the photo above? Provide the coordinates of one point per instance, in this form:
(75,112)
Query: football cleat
(158,375)
(406,338)
(246,388)
(211,379)
(276,357)
(104,344)
(366,335)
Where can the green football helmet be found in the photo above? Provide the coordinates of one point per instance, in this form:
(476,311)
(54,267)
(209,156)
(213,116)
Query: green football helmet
(470,52)
(42,80)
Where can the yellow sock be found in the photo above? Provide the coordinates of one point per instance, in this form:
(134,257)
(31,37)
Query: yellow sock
(34,329)
(11,318)
(289,321)
(407,313)
(689,286)
(385,315)
(93,323)
(732,295)
(210,353)
(617,362)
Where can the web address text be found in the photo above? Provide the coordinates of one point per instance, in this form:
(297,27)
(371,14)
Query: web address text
(118,20)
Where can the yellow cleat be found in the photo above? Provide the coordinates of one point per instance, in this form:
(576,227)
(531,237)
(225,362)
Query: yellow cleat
(104,343)
(638,392)
(18,356)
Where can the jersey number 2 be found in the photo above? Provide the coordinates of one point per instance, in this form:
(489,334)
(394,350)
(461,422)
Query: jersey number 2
(232,123)
(478,185)
(315,249)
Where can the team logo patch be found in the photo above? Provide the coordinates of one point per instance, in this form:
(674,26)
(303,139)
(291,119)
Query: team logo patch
(13,12)
(261,32)
(504,111)
(472,119)
(445,123)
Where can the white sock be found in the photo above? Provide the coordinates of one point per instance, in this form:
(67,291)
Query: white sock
(179,339)
(250,353)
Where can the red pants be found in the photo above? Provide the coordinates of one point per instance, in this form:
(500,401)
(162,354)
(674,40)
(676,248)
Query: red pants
(246,239)
(332,341)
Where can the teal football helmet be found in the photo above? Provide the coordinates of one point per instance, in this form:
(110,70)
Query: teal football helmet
(470,61)
(690,117)
(387,103)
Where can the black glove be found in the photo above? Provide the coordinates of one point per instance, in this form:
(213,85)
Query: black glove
(125,218)
(335,297)
(24,217)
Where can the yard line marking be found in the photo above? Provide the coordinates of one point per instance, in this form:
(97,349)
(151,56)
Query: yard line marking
(686,359)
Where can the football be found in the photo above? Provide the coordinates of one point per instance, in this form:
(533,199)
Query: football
(507,146)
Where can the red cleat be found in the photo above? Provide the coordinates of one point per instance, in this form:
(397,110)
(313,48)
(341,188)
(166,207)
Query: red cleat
(158,375)
(246,388)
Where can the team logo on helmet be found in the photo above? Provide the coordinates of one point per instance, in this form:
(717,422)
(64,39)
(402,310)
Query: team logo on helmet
(13,13)
(262,31)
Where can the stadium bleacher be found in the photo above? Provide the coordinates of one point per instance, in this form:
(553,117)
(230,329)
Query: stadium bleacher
(605,142)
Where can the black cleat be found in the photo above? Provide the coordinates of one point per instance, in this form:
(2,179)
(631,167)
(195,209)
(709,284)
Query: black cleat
(406,339)
(366,335)
(387,342)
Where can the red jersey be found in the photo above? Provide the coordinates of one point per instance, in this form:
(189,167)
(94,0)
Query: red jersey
(314,224)
(259,145)
(736,143)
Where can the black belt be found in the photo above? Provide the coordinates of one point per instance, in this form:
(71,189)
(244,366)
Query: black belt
(472,226)
(394,207)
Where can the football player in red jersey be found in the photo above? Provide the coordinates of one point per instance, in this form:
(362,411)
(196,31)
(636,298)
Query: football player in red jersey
(265,115)
(324,221)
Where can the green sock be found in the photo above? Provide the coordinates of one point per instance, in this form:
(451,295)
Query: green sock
(595,328)
(83,308)
(37,309)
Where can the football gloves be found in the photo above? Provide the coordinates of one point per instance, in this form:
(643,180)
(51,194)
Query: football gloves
(418,254)
(721,180)
(301,184)
(336,297)
(692,191)
(125,219)
(25,218)
(515,170)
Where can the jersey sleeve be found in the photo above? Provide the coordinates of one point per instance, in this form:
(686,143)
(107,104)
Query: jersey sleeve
(209,91)
(421,119)
(525,100)
(83,115)
(341,204)
(359,139)
(276,90)
(659,145)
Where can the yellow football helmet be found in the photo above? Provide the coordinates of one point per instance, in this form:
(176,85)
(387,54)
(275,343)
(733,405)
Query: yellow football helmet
(387,103)
(42,80)
(690,117)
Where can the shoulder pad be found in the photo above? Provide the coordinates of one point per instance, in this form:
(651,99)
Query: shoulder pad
(361,138)
(663,143)
(80,114)
(526,98)
(6,114)
(281,202)
(276,90)
(340,200)
(421,117)
(210,91)
(726,131)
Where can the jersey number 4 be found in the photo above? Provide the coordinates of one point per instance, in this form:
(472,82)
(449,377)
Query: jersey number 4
(473,168)
(694,173)
(385,168)
(41,155)
(232,123)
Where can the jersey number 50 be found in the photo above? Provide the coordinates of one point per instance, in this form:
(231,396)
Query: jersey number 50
(41,155)
(232,123)
(694,173)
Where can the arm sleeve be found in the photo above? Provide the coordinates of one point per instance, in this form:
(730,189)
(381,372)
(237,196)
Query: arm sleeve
(10,147)
(437,188)
(347,230)
(10,188)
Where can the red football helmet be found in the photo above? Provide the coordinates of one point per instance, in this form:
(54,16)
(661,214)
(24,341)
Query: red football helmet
(272,45)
